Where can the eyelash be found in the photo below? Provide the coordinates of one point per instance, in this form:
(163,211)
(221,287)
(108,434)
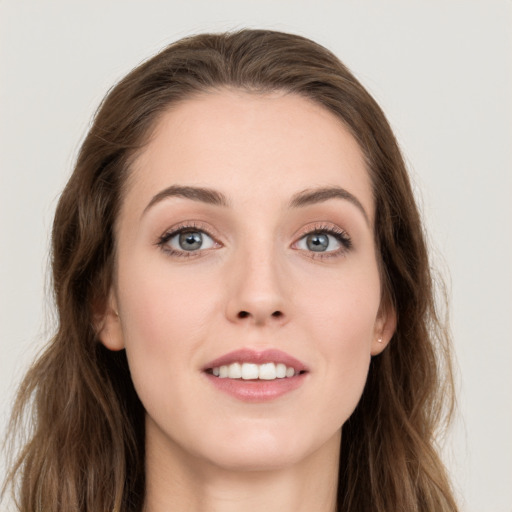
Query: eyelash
(183,228)
(340,235)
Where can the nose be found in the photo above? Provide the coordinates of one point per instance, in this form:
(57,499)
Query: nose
(256,294)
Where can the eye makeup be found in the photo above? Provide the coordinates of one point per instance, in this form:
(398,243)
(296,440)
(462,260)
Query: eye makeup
(191,236)
(323,234)
(193,239)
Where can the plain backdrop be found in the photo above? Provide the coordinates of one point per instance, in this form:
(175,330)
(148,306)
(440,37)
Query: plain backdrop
(441,70)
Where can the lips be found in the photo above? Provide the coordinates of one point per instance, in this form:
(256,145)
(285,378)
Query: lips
(259,358)
(253,376)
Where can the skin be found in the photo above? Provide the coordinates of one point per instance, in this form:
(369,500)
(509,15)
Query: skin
(206,450)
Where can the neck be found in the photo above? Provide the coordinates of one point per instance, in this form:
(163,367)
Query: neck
(181,482)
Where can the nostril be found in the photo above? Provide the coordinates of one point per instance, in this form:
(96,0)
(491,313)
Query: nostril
(245,314)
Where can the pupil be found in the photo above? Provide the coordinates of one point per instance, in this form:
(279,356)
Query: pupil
(317,242)
(191,241)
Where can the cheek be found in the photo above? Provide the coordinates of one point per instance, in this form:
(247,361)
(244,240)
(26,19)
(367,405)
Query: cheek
(165,321)
(341,319)
(343,307)
(161,306)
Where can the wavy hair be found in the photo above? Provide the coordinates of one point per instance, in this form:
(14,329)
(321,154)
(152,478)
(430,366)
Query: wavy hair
(83,448)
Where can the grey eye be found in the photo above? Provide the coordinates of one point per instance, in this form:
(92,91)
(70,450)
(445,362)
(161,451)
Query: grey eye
(191,241)
(318,242)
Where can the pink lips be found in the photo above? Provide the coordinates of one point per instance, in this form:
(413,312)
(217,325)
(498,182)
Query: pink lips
(247,355)
(257,390)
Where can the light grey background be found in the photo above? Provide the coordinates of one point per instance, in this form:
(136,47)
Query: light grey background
(442,71)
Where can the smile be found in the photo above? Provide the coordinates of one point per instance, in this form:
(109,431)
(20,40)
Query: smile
(253,376)
(252,371)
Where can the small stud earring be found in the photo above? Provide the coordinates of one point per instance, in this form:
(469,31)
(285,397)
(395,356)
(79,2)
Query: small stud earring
(379,340)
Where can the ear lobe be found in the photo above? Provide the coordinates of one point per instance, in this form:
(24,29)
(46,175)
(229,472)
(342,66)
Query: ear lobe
(385,327)
(108,325)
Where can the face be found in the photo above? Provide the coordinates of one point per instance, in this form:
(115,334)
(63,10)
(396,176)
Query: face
(247,283)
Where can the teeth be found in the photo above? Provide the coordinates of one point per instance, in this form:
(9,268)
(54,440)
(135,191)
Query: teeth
(235,371)
(251,371)
(268,371)
(281,371)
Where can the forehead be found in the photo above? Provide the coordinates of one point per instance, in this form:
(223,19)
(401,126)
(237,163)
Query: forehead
(251,147)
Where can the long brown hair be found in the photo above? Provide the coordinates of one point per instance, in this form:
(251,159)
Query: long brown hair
(85,446)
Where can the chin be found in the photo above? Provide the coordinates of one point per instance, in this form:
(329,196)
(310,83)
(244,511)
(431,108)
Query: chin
(256,458)
(265,450)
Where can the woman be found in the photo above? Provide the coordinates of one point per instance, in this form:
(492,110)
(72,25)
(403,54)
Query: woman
(246,308)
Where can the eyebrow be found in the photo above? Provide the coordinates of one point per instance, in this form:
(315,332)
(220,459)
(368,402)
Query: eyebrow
(214,197)
(319,195)
(202,194)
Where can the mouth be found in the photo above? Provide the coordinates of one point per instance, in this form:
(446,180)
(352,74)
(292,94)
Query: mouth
(254,376)
(252,371)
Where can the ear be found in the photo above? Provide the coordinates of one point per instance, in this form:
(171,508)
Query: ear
(385,326)
(108,324)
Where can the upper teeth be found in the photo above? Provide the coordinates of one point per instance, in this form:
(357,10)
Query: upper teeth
(250,371)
